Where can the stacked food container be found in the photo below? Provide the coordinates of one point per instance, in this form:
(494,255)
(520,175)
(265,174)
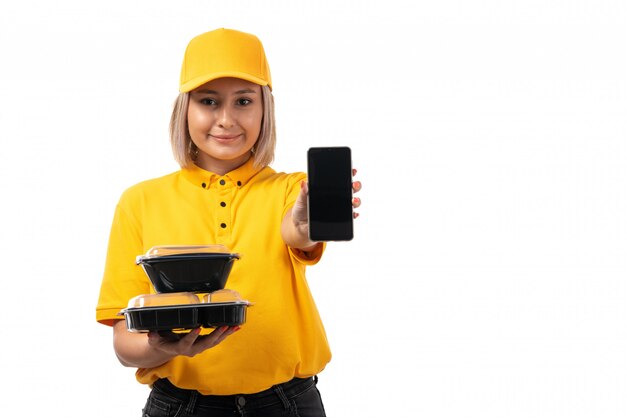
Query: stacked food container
(189,281)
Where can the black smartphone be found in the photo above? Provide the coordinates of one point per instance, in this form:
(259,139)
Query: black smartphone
(330,193)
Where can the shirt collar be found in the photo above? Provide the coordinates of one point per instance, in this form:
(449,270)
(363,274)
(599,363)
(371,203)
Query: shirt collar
(203,178)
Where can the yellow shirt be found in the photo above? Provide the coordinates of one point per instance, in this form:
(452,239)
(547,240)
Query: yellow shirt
(283,336)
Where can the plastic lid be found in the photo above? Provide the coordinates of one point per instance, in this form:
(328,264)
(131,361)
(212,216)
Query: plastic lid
(165,299)
(222,296)
(159,251)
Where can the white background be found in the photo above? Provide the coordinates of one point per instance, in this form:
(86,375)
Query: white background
(487,276)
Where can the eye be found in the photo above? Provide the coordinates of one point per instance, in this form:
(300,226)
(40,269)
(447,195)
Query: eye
(208,101)
(244,101)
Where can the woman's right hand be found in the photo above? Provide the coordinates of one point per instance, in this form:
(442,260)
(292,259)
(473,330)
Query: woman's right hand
(189,344)
(150,350)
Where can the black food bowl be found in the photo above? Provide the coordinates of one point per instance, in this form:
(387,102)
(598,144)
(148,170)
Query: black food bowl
(184,311)
(185,317)
(188,268)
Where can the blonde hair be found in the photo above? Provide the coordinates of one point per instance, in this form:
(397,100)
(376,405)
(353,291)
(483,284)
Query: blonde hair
(185,150)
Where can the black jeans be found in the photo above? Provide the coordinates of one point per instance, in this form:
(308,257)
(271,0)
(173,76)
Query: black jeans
(296,398)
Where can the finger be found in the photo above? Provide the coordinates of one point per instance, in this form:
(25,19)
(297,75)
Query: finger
(185,342)
(227,333)
(302,198)
(213,339)
(356,202)
(356,186)
(215,335)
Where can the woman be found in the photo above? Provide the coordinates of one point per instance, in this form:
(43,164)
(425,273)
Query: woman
(223,136)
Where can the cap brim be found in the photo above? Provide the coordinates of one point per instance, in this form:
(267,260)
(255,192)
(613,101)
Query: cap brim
(198,81)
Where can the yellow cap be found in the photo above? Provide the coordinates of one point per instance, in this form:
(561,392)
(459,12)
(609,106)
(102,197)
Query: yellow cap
(224,53)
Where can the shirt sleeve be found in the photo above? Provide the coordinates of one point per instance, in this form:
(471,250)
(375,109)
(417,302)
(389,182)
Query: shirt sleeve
(122,279)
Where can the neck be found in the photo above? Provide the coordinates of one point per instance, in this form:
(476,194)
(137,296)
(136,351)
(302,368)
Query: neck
(220,166)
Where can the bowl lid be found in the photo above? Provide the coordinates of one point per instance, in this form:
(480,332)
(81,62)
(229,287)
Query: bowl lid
(170,250)
(167,299)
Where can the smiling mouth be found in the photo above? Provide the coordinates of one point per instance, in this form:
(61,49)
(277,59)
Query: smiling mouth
(225,137)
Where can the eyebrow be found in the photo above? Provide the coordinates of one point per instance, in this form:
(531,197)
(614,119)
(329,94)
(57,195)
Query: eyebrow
(244,91)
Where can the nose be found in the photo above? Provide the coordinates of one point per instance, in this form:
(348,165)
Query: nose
(225,117)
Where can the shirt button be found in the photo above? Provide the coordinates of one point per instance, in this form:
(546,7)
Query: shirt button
(239,183)
(222,182)
(204,185)
(223,204)
(241,401)
(223,225)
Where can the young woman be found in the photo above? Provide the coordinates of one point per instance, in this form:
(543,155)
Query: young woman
(223,136)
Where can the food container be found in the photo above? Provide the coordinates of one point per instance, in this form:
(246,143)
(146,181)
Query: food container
(167,299)
(188,268)
(184,311)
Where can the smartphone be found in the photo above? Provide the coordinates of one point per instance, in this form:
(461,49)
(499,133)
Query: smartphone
(330,193)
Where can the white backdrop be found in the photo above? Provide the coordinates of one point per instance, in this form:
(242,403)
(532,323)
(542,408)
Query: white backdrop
(487,275)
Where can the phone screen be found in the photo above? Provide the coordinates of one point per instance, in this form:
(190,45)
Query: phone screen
(330,193)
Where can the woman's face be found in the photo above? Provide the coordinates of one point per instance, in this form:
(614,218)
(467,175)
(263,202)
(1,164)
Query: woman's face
(224,120)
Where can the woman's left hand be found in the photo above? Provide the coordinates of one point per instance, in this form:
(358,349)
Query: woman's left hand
(295,225)
(299,212)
